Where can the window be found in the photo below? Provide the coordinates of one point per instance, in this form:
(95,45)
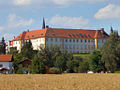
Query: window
(70,40)
(73,40)
(84,35)
(88,40)
(77,40)
(85,40)
(88,35)
(1,65)
(51,39)
(66,40)
(77,35)
(81,40)
(73,35)
(80,35)
(69,34)
(56,39)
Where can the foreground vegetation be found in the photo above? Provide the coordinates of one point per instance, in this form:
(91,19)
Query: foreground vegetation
(52,59)
(60,82)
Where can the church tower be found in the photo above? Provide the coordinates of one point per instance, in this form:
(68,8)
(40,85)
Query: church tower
(43,26)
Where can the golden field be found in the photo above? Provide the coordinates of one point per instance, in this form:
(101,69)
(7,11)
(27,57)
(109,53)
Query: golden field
(60,82)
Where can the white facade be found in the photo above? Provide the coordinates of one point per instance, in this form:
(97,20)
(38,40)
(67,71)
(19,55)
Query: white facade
(68,44)
(36,43)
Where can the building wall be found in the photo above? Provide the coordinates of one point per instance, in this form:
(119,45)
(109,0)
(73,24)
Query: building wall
(36,43)
(7,65)
(75,45)
(69,44)
(17,44)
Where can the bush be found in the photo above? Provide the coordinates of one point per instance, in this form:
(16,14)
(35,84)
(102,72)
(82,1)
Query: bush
(83,67)
(117,72)
(54,70)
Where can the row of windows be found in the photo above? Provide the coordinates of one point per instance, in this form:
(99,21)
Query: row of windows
(73,46)
(79,35)
(68,40)
(73,40)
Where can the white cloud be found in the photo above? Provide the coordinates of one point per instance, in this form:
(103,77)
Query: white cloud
(1,28)
(22,2)
(73,22)
(47,3)
(16,21)
(109,12)
(69,2)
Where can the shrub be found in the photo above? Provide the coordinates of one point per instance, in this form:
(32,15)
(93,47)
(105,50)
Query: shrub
(54,70)
(117,72)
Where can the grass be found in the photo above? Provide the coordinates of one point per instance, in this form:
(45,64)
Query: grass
(83,56)
(60,82)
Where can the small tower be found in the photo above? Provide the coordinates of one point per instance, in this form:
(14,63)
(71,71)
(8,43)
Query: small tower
(43,26)
(112,30)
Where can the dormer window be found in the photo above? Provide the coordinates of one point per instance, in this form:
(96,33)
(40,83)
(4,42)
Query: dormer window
(73,35)
(84,35)
(80,35)
(69,34)
(77,35)
(88,35)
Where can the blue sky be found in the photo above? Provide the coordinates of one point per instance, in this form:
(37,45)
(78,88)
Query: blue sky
(17,16)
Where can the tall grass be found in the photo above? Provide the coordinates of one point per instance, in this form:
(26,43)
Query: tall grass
(60,82)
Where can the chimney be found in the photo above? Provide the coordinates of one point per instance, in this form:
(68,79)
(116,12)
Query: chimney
(28,30)
(102,30)
(47,26)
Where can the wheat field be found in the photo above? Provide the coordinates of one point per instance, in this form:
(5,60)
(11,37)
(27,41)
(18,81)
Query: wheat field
(60,82)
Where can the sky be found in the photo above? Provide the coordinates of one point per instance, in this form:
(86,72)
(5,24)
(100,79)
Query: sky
(17,16)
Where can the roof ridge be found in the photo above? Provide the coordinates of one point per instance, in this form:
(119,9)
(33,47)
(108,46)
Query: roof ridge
(71,29)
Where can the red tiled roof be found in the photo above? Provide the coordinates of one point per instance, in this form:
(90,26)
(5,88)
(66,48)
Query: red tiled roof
(66,33)
(5,58)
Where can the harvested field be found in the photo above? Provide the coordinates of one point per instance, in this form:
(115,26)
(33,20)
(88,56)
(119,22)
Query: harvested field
(60,82)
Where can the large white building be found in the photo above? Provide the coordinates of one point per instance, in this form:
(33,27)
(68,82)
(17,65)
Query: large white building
(71,40)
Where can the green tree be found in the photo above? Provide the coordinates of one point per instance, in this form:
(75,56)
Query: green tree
(72,65)
(49,55)
(2,46)
(83,67)
(38,66)
(13,51)
(20,69)
(95,64)
(17,59)
(110,52)
(60,63)
(27,50)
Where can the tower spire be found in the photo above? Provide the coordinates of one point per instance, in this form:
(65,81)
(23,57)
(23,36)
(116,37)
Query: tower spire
(43,26)
(111,29)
